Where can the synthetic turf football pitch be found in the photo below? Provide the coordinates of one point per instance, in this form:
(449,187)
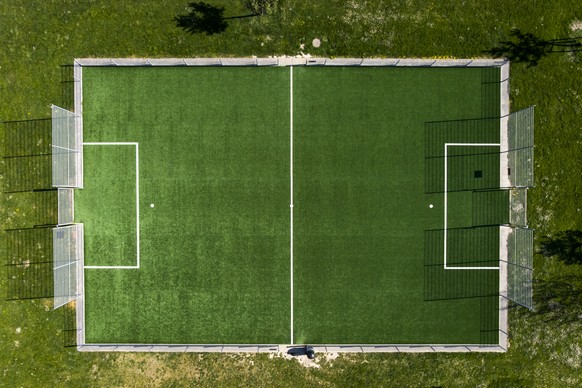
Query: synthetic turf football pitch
(291,205)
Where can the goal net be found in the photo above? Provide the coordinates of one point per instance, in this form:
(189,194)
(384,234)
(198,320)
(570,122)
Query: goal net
(66,207)
(518,207)
(519,263)
(67,148)
(67,261)
(521,148)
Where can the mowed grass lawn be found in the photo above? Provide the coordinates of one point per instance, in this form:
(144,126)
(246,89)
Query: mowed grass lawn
(545,350)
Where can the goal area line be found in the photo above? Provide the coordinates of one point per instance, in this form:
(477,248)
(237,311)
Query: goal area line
(447,145)
(136,145)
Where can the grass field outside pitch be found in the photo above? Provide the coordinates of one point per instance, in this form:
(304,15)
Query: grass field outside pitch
(215,246)
(543,348)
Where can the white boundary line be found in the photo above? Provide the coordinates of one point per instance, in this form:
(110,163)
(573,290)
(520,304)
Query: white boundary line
(79,63)
(133,143)
(446,200)
(291,187)
(136,206)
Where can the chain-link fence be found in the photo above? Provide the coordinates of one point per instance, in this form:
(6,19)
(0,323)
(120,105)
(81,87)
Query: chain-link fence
(67,256)
(67,148)
(520,154)
(520,266)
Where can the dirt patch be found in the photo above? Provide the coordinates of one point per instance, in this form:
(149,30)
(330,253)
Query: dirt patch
(152,369)
(329,357)
(47,304)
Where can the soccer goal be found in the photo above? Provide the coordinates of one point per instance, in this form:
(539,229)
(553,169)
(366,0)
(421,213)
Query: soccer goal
(67,149)
(519,265)
(520,154)
(67,260)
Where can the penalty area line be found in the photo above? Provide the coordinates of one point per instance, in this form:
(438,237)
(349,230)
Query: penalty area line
(137,222)
(448,267)
(112,143)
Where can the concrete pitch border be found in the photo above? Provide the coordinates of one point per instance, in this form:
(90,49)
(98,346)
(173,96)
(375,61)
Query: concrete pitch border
(504,180)
(287,348)
(290,61)
(302,61)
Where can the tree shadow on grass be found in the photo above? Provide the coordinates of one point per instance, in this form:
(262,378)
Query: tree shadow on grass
(206,18)
(559,300)
(565,246)
(530,49)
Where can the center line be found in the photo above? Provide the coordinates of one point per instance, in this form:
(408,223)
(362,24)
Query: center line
(291,187)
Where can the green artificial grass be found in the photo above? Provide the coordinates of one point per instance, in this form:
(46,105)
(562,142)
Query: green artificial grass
(214,160)
(106,206)
(362,207)
(214,249)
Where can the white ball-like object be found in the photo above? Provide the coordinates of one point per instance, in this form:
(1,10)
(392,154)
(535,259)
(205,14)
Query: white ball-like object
(316,42)
(152,205)
(431,206)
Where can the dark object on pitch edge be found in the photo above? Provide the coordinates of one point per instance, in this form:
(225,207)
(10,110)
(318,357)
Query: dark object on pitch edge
(302,351)
(310,352)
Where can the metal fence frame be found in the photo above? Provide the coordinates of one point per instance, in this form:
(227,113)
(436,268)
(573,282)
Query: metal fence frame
(66,206)
(67,149)
(518,148)
(68,255)
(293,61)
(518,207)
(286,61)
(518,263)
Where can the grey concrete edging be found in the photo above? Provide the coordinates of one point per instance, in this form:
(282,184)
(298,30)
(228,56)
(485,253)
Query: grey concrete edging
(152,348)
(291,61)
